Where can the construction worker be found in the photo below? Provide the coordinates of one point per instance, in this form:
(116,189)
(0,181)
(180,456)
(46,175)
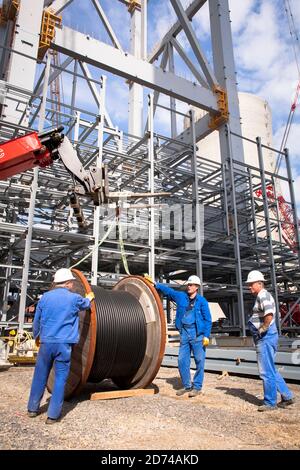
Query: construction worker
(56,325)
(193,321)
(263,329)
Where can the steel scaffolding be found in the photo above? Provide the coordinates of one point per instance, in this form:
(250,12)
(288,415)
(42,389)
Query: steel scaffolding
(216,220)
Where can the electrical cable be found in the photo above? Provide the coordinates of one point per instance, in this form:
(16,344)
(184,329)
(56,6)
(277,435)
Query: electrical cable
(121,336)
(95,247)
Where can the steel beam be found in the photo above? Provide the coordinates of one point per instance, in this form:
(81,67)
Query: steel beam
(107,25)
(202,130)
(89,50)
(194,43)
(93,88)
(175,29)
(189,63)
(57,5)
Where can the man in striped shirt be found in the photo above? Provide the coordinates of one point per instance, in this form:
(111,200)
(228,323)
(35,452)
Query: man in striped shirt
(263,328)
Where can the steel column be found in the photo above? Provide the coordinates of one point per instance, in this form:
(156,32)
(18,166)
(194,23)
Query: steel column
(199,229)
(34,188)
(151,261)
(293,201)
(21,69)
(236,237)
(268,230)
(172,100)
(224,67)
(96,229)
(135,123)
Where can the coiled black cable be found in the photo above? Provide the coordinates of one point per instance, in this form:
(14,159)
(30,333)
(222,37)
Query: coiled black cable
(121,336)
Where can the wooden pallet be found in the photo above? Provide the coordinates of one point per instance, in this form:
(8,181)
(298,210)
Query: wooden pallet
(113,394)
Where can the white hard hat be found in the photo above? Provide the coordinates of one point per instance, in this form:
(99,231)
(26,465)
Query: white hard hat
(63,275)
(255,276)
(194,280)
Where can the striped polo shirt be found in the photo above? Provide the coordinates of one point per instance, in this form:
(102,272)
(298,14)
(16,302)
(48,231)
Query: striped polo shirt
(264,305)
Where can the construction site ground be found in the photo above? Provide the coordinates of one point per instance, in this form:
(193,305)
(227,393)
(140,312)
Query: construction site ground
(224,417)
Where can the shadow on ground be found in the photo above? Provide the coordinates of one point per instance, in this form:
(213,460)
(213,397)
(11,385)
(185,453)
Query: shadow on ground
(242,394)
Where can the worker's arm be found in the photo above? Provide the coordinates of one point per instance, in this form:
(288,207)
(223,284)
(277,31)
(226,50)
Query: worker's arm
(37,321)
(267,321)
(83,303)
(206,318)
(169,292)
(267,305)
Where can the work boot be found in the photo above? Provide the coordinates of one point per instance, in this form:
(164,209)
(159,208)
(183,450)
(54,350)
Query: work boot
(182,391)
(32,414)
(51,421)
(194,392)
(266,408)
(286,403)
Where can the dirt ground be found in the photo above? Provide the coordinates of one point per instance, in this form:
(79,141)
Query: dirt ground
(224,417)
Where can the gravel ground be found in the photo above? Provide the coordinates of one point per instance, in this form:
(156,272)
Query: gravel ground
(224,417)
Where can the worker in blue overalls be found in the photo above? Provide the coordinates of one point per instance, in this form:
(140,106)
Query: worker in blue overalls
(265,335)
(56,324)
(193,321)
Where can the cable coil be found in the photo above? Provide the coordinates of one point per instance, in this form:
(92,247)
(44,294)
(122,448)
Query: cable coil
(122,337)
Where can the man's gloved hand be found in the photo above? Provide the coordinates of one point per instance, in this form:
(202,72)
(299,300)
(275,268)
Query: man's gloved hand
(90,296)
(263,328)
(37,341)
(205,341)
(149,279)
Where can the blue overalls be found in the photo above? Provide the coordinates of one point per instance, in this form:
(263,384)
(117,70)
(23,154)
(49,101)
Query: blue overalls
(56,322)
(266,347)
(193,321)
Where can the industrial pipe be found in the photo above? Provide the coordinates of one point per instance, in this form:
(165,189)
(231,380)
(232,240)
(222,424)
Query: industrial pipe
(122,336)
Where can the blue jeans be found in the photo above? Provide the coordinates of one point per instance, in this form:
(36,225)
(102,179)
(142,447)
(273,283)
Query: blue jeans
(59,355)
(190,342)
(266,348)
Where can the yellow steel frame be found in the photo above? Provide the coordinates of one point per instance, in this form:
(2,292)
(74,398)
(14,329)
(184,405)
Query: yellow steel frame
(223,116)
(133,4)
(9,11)
(49,22)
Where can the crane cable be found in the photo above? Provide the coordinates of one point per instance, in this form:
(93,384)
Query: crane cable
(97,246)
(115,222)
(296,45)
(121,241)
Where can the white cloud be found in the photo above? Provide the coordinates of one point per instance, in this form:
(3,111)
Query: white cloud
(259,44)
(239,12)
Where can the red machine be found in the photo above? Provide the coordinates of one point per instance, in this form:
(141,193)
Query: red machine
(286,217)
(294,310)
(23,154)
(31,150)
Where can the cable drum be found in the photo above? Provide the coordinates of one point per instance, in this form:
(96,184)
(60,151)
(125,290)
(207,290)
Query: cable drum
(122,336)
